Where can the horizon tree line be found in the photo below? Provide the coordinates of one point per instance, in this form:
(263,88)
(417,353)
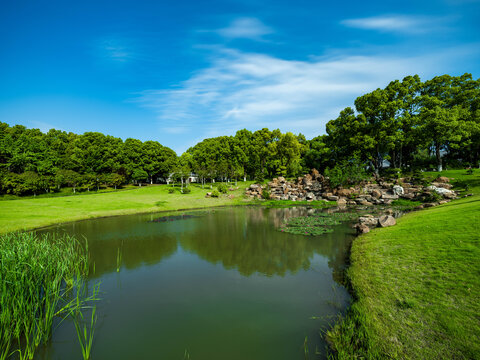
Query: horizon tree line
(410,123)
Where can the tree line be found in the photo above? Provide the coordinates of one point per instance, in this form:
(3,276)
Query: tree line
(409,124)
(32,162)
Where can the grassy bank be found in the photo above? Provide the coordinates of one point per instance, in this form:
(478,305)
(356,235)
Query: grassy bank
(24,214)
(416,285)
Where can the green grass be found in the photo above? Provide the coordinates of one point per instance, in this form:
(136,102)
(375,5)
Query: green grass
(40,279)
(31,213)
(416,285)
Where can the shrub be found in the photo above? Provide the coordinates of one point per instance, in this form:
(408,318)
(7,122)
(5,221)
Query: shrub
(266,194)
(186,190)
(346,173)
(223,188)
(171,190)
(215,194)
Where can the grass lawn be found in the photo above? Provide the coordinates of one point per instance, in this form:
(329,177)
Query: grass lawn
(25,214)
(417,285)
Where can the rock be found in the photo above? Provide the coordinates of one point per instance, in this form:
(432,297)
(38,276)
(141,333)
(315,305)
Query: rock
(389,212)
(362,229)
(332,198)
(344,192)
(420,207)
(398,190)
(441,191)
(428,205)
(341,202)
(390,197)
(310,196)
(442,179)
(363,202)
(443,202)
(209,194)
(376,194)
(386,221)
(368,221)
(281,179)
(409,196)
(351,202)
(316,175)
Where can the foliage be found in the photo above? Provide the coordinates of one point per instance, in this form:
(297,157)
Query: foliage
(215,194)
(266,194)
(346,173)
(222,187)
(41,277)
(186,190)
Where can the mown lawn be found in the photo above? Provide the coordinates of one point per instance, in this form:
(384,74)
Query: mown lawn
(417,285)
(24,214)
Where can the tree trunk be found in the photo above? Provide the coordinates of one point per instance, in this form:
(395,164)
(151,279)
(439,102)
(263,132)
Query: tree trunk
(439,158)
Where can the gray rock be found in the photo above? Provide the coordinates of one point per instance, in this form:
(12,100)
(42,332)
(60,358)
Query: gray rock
(398,190)
(332,198)
(362,228)
(386,221)
(368,221)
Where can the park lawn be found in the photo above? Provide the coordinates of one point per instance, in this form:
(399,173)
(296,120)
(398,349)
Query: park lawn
(417,285)
(26,214)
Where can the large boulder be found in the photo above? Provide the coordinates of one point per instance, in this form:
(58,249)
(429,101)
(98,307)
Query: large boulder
(376,194)
(442,179)
(386,220)
(398,190)
(344,192)
(362,229)
(368,220)
(342,202)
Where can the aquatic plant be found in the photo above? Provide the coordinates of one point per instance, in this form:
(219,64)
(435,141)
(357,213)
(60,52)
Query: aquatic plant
(38,274)
(317,224)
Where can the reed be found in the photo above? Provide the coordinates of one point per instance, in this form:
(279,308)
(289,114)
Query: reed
(38,275)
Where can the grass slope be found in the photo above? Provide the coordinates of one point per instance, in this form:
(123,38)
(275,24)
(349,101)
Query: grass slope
(24,214)
(417,285)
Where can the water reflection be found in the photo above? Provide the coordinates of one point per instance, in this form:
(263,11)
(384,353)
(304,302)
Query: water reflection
(242,239)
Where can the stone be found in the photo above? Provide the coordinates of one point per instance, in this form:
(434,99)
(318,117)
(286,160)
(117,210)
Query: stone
(310,196)
(341,202)
(442,179)
(390,197)
(441,191)
(398,190)
(363,202)
(376,194)
(368,221)
(209,194)
(389,212)
(428,205)
(409,196)
(344,192)
(332,198)
(362,229)
(281,179)
(351,202)
(386,221)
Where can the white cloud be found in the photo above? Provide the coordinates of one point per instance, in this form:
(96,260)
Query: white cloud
(245,28)
(397,23)
(251,90)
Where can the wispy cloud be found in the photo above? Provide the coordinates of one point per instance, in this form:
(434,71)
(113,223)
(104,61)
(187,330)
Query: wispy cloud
(245,28)
(114,49)
(252,90)
(397,23)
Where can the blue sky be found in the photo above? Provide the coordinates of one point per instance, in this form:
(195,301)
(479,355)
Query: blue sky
(179,72)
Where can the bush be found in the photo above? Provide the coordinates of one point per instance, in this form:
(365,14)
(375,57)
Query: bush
(186,190)
(392,173)
(223,188)
(346,173)
(266,194)
(215,194)
(171,190)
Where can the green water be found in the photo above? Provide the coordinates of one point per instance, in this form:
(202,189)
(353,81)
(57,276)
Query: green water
(223,284)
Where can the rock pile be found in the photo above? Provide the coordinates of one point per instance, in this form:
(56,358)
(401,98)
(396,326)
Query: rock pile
(315,186)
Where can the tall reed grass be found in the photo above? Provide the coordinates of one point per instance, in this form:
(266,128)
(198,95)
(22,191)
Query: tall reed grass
(41,277)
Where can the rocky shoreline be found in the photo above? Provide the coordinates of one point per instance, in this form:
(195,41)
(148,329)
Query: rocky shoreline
(315,186)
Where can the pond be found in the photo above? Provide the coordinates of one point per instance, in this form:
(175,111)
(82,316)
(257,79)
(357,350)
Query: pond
(214,284)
